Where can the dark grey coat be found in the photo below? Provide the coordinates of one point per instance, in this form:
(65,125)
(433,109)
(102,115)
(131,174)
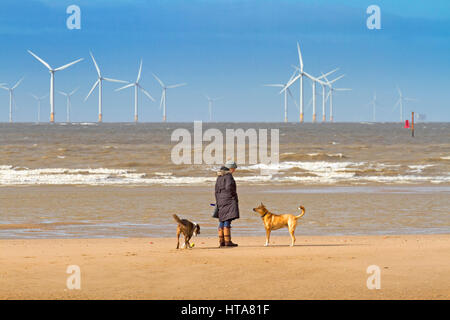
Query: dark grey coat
(226,197)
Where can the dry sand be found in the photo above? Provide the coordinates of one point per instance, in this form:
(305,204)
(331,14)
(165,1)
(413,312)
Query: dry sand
(412,267)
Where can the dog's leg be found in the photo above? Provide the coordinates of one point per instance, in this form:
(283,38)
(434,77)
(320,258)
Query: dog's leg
(267,237)
(292,232)
(187,245)
(178,237)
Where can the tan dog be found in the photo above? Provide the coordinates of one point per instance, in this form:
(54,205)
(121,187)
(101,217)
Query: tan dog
(277,221)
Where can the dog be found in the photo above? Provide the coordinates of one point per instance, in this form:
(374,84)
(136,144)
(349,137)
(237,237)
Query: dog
(188,229)
(277,221)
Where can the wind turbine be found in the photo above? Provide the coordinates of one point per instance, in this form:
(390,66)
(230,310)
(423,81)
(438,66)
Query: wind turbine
(374,105)
(210,105)
(11,96)
(39,99)
(52,81)
(100,85)
(163,94)
(323,84)
(330,93)
(300,76)
(286,90)
(400,102)
(69,103)
(137,86)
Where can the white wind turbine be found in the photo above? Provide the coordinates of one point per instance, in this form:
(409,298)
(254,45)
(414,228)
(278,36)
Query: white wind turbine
(99,83)
(163,94)
(330,93)
(52,81)
(374,105)
(323,84)
(11,96)
(400,101)
(301,74)
(210,105)
(286,90)
(313,98)
(137,86)
(39,99)
(69,102)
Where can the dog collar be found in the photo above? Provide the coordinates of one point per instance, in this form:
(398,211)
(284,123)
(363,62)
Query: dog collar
(264,214)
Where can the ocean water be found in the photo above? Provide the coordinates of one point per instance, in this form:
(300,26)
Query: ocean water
(130,154)
(118,180)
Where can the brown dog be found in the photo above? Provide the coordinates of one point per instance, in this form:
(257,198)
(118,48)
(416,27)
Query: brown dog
(276,221)
(188,229)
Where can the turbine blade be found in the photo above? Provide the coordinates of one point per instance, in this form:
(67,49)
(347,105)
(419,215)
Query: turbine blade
(114,80)
(159,80)
(76,89)
(139,73)
(300,59)
(124,87)
(342,89)
(92,89)
(328,73)
(338,78)
(291,82)
(17,84)
(274,85)
(292,97)
(161,101)
(35,97)
(40,60)
(96,65)
(176,85)
(146,93)
(68,65)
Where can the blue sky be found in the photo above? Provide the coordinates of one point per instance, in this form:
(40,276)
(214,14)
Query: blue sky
(228,49)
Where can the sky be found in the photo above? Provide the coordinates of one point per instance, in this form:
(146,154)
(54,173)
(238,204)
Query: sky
(227,49)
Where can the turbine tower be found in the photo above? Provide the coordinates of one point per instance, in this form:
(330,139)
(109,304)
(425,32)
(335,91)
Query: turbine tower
(11,97)
(400,101)
(286,90)
(137,86)
(210,105)
(39,99)
(69,103)
(100,85)
(374,104)
(52,81)
(163,94)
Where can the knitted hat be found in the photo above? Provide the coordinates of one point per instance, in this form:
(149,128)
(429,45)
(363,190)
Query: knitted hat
(231,164)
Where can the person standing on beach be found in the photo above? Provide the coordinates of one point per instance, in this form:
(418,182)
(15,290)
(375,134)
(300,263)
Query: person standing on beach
(227,203)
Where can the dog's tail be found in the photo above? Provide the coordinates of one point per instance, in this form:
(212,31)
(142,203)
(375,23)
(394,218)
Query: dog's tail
(301,214)
(176,218)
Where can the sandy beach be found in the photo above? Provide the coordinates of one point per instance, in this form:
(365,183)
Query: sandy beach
(318,267)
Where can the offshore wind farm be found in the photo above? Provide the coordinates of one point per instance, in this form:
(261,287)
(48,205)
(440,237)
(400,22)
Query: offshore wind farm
(299,74)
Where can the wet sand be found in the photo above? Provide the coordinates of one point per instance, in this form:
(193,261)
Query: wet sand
(318,267)
(139,212)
